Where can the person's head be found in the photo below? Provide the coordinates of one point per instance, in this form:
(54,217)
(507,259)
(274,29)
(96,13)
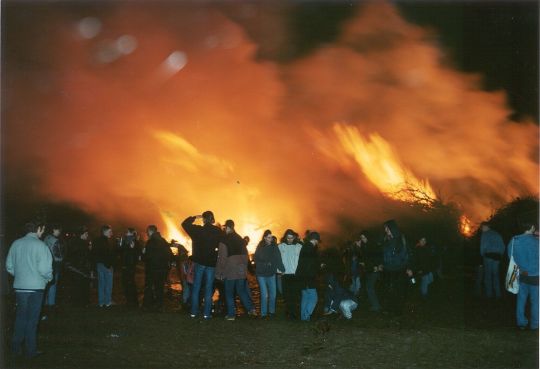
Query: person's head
(56,230)
(360,239)
(83,233)
(208,217)
(106,230)
(267,237)
(151,229)
(35,227)
(391,229)
(485,226)
(314,238)
(247,240)
(229,226)
(527,227)
(130,231)
(422,242)
(289,237)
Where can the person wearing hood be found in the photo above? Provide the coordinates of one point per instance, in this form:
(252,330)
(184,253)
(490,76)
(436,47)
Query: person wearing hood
(157,257)
(395,266)
(231,267)
(306,273)
(53,242)
(206,239)
(337,298)
(267,264)
(289,248)
(491,249)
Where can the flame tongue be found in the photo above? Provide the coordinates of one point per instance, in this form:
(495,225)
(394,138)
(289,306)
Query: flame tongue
(381,165)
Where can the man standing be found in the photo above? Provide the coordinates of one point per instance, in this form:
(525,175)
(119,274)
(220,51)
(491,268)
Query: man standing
(525,250)
(103,251)
(205,243)
(78,263)
(491,249)
(30,262)
(129,247)
(53,243)
(306,273)
(231,267)
(157,256)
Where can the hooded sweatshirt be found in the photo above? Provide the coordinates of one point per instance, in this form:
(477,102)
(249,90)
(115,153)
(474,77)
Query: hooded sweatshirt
(232,258)
(395,253)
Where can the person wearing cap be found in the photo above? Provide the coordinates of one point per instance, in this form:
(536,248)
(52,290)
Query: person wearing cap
(306,273)
(205,243)
(231,267)
(289,248)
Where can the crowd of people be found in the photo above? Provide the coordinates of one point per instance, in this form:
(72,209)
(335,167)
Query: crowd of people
(296,268)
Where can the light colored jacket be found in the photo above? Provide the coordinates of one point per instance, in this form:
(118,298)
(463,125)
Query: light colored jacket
(30,261)
(289,256)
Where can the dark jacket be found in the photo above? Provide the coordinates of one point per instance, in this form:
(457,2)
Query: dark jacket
(268,260)
(78,255)
(158,253)
(232,258)
(424,260)
(205,239)
(395,253)
(334,293)
(130,252)
(372,256)
(308,266)
(103,251)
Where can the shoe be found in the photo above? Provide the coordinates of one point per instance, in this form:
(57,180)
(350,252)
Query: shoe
(522,327)
(207,317)
(252,313)
(44,317)
(231,318)
(193,316)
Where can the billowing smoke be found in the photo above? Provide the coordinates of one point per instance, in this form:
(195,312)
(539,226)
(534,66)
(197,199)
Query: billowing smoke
(139,115)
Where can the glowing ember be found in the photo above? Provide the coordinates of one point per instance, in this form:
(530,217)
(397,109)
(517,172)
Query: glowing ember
(381,165)
(465,226)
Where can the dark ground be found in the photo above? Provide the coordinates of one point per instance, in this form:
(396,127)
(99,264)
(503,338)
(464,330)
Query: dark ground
(452,330)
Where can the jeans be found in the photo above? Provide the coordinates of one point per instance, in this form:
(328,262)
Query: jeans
(207,273)
(50,299)
(267,286)
(371,281)
(186,291)
(426,280)
(530,291)
(491,277)
(240,286)
(347,307)
(26,322)
(308,303)
(105,284)
(355,285)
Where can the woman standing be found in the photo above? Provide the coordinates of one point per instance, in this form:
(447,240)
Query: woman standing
(267,264)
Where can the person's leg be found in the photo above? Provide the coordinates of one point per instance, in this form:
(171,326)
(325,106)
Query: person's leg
(19,329)
(229,297)
(108,286)
(303,305)
(279,284)
(533,296)
(271,285)
(488,274)
(263,287)
(101,284)
(478,280)
(198,272)
(424,283)
(209,274)
(244,296)
(496,279)
(159,284)
(372,295)
(522,295)
(34,309)
(311,301)
(51,292)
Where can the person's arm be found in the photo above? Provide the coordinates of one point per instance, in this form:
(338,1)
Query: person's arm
(279,262)
(9,262)
(45,261)
(188,225)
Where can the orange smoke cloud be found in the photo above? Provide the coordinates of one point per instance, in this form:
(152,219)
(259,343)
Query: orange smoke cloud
(154,116)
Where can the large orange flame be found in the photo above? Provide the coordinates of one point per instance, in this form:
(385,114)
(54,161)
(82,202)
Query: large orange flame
(381,165)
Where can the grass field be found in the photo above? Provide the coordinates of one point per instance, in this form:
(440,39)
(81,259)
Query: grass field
(451,331)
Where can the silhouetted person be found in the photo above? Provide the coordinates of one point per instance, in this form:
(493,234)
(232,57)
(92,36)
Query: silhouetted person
(492,249)
(231,267)
(104,254)
(424,265)
(53,242)
(130,250)
(372,258)
(157,257)
(205,243)
(80,267)
(289,248)
(306,274)
(30,261)
(268,263)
